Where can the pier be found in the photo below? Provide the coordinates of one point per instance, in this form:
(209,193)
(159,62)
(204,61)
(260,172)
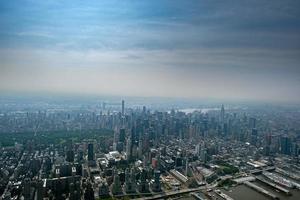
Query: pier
(197,196)
(288,174)
(278,179)
(275,186)
(224,196)
(261,190)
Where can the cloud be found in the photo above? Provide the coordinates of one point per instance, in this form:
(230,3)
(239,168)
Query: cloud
(242,49)
(151,25)
(155,73)
(35,34)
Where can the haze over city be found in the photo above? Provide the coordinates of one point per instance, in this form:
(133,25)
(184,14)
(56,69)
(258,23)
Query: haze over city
(150,100)
(195,49)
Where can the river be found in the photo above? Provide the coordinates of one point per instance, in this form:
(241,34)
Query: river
(245,193)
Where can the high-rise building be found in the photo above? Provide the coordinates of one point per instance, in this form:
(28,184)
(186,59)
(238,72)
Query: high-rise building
(140,148)
(120,146)
(122,135)
(72,191)
(26,190)
(70,155)
(103,190)
(80,156)
(285,145)
(90,151)
(252,122)
(128,148)
(186,166)
(129,181)
(222,114)
(203,155)
(268,142)
(156,186)
(39,190)
(103,105)
(143,185)
(197,149)
(295,150)
(254,137)
(116,186)
(123,107)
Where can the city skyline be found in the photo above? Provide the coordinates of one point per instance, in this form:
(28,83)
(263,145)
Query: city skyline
(153,99)
(195,49)
(119,151)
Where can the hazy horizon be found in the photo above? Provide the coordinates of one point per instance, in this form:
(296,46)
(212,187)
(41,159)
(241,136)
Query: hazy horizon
(234,50)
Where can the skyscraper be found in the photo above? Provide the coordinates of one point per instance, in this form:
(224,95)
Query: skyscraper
(252,122)
(285,145)
(129,181)
(143,185)
(222,114)
(103,190)
(116,186)
(122,135)
(156,186)
(254,137)
(90,151)
(70,155)
(128,148)
(26,190)
(123,107)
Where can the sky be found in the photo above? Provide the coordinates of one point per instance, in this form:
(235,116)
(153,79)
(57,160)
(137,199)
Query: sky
(233,49)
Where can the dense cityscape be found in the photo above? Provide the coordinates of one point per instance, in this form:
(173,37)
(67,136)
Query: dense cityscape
(149,99)
(112,151)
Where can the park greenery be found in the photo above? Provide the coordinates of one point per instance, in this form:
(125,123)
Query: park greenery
(52,137)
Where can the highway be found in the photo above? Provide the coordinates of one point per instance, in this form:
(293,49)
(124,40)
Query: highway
(172,193)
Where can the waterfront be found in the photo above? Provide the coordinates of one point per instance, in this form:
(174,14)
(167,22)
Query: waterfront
(246,193)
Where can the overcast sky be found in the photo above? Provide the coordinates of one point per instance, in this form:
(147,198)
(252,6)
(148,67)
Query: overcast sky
(233,49)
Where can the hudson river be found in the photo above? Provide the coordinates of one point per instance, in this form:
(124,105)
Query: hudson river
(245,193)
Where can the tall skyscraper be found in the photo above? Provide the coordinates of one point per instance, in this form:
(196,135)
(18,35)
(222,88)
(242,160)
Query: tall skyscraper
(90,151)
(285,145)
(122,135)
(26,190)
(130,181)
(143,185)
(116,139)
(252,122)
(254,137)
(103,190)
(116,186)
(267,146)
(123,107)
(203,155)
(140,150)
(70,155)
(156,186)
(222,114)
